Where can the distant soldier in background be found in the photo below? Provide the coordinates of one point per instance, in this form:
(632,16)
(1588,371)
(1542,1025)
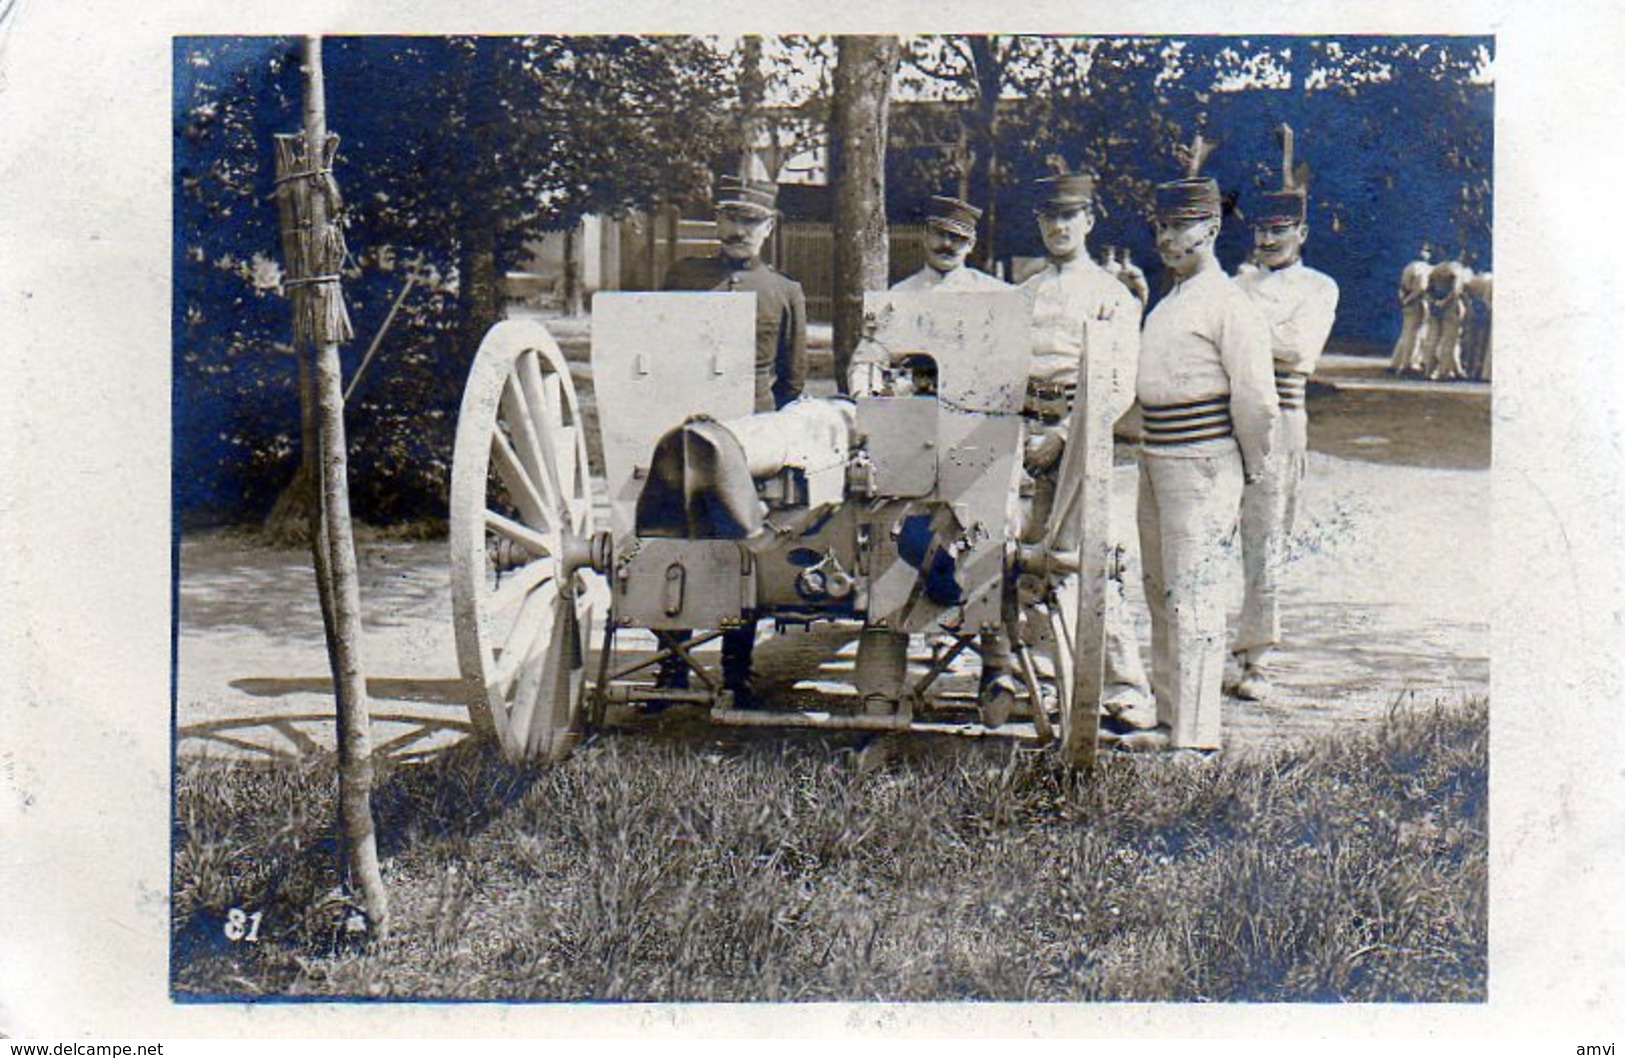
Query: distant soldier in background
(1299,304)
(1131,276)
(1207,396)
(1475,341)
(1413,282)
(1447,307)
(1118,263)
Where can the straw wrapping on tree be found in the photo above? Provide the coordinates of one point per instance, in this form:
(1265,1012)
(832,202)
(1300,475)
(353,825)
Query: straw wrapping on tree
(312,259)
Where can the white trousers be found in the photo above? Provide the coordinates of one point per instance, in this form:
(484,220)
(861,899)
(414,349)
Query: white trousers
(1189,507)
(1443,356)
(1269,510)
(1408,350)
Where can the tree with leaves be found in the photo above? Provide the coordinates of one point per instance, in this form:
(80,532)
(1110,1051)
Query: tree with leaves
(458,152)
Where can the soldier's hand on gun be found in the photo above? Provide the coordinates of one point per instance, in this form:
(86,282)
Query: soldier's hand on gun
(1042,452)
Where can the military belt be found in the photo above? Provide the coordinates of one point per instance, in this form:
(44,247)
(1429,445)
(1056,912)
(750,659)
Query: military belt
(1291,388)
(1186,423)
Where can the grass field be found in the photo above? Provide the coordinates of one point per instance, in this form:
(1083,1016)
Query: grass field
(690,864)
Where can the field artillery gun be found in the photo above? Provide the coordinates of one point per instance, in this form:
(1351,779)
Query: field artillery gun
(894,509)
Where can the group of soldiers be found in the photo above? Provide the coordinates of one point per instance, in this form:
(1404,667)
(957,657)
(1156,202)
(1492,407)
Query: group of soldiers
(1445,313)
(1218,368)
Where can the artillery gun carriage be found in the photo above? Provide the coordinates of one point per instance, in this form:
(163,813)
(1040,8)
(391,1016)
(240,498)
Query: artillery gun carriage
(892,510)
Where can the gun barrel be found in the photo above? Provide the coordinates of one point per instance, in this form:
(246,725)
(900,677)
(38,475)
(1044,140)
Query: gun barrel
(810,434)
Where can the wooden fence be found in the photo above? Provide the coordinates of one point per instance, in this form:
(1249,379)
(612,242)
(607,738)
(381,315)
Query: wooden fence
(807,252)
(651,242)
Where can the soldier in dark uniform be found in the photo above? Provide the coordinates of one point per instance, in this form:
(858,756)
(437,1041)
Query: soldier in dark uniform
(745,215)
(745,212)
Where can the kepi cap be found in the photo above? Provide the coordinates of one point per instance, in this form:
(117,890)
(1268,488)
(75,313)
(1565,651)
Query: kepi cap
(1289,206)
(954,214)
(1065,191)
(756,198)
(1193,198)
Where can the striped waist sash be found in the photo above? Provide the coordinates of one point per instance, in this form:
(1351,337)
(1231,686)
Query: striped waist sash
(1290,388)
(1188,422)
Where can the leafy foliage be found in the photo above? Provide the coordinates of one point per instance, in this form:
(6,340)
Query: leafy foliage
(458,150)
(455,152)
(1398,132)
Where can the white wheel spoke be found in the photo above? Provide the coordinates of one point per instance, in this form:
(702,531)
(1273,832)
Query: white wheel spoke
(560,441)
(537,543)
(1063,642)
(587,610)
(540,672)
(553,390)
(519,410)
(541,393)
(549,712)
(522,707)
(563,447)
(535,619)
(1064,505)
(516,586)
(533,506)
(559,459)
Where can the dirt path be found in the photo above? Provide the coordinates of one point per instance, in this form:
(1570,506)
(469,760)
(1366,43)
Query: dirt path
(1385,598)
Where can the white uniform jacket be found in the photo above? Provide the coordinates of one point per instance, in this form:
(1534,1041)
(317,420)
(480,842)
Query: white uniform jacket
(962,280)
(1299,304)
(1063,297)
(1205,343)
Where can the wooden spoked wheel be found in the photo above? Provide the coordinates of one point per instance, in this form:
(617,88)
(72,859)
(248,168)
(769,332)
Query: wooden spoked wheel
(1079,708)
(1076,537)
(521,523)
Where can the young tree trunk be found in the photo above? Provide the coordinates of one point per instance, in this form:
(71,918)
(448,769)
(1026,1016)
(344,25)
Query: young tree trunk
(333,551)
(672,215)
(572,271)
(752,90)
(863,74)
(315,529)
(479,289)
(479,298)
(989,72)
(651,250)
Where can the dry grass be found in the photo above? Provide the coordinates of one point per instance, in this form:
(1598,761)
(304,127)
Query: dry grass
(797,868)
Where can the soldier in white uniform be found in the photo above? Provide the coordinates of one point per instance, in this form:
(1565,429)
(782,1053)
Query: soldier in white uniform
(1070,291)
(950,227)
(1299,304)
(1207,393)
(950,236)
(1475,338)
(1446,301)
(1413,312)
